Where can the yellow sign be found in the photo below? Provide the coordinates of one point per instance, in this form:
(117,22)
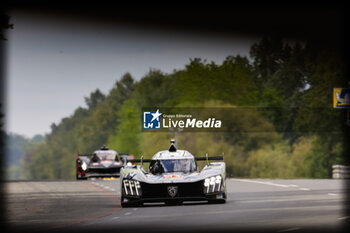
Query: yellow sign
(341,98)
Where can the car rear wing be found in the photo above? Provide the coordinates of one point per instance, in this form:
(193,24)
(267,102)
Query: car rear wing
(142,160)
(209,158)
(89,154)
(139,160)
(126,157)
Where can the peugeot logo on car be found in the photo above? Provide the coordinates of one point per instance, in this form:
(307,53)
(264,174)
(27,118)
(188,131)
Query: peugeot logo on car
(172,191)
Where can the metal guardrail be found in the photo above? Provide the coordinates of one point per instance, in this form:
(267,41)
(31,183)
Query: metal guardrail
(341,172)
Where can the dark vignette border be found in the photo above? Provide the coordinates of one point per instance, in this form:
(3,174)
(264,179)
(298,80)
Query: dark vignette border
(321,22)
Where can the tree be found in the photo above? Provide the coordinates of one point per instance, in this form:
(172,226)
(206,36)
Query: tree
(94,99)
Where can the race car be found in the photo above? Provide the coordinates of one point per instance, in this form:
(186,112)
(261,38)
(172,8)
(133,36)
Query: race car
(101,163)
(173,177)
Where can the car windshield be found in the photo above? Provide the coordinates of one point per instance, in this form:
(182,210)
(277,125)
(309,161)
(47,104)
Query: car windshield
(173,165)
(106,156)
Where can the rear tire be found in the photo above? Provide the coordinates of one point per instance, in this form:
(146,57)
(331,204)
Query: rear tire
(80,178)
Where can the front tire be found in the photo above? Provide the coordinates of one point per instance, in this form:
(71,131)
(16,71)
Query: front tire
(129,204)
(217,201)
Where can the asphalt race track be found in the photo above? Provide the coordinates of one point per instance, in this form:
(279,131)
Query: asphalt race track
(252,205)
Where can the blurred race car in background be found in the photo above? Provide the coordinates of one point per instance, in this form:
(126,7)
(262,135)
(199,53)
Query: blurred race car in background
(173,177)
(101,163)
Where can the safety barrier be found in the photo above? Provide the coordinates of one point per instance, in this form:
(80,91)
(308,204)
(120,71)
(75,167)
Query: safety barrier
(341,172)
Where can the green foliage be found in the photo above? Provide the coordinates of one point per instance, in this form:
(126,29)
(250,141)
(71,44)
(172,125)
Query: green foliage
(14,144)
(326,151)
(231,82)
(128,135)
(94,99)
(326,72)
(282,124)
(15,148)
(155,89)
(269,161)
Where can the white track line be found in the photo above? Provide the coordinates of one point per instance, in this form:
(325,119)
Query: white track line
(272,184)
(104,186)
(332,194)
(266,183)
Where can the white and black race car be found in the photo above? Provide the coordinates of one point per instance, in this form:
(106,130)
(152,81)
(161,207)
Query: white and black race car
(101,163)
(173,177)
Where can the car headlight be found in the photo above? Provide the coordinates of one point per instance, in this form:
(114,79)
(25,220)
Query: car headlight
(84,166)
(132,187)
(212,184)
